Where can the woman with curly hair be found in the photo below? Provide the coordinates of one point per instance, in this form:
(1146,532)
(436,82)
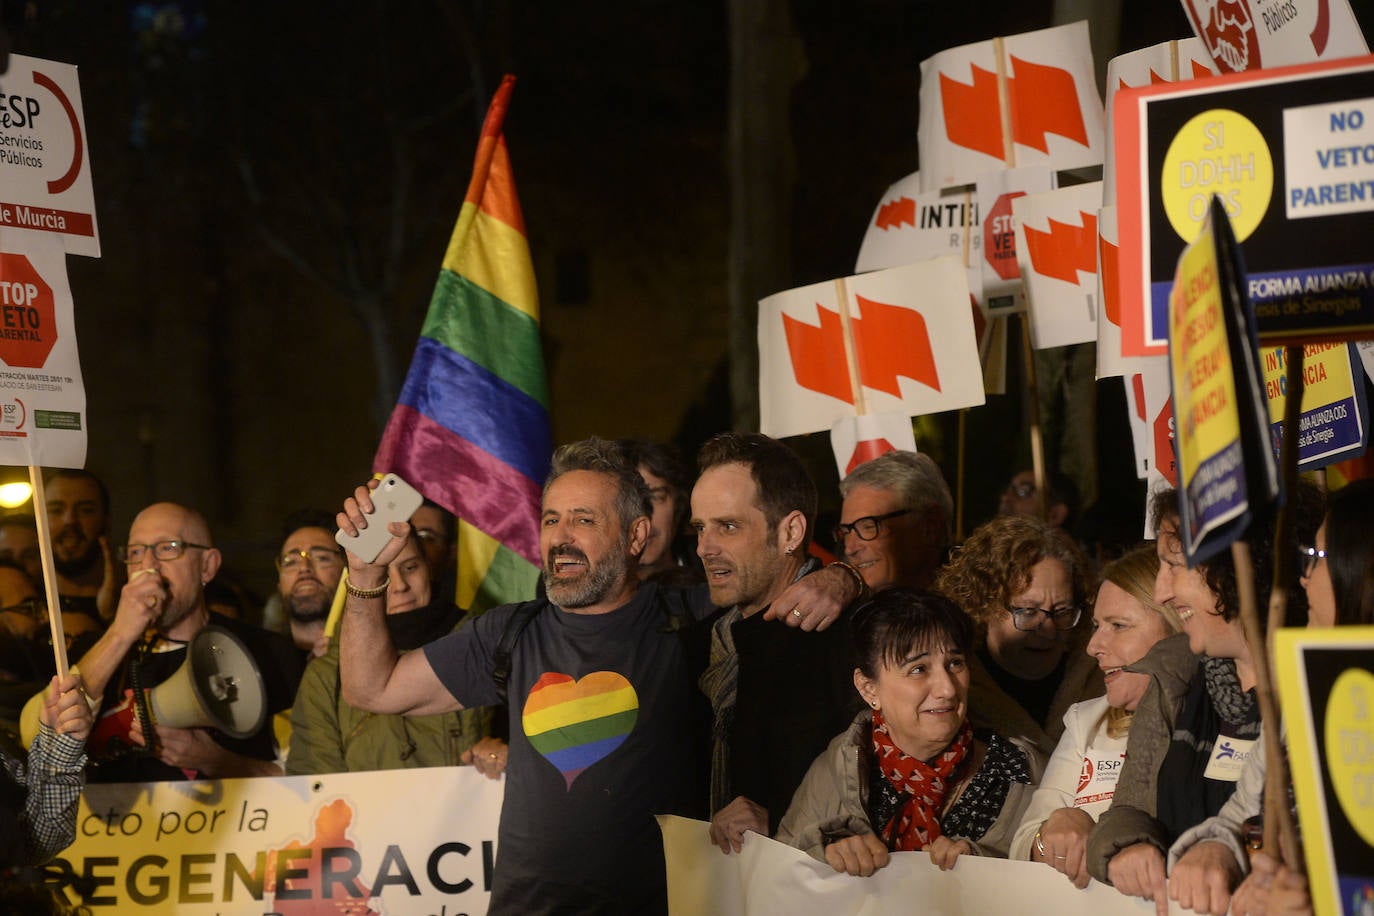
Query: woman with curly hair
(1024,584)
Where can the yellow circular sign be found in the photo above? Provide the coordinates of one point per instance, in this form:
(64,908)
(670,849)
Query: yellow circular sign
(1217,152)
(1349,733)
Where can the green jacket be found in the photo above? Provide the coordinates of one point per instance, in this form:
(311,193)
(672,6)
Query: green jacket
(330,736)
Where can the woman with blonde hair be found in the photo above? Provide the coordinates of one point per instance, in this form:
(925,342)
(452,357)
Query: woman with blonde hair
(1081,777)
(1024,583)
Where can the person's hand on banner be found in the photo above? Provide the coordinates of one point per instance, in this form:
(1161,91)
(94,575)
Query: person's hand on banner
(859,855)
(1064,840)
(1138,871)
(488,757)
(944,852)
(731,822)
(1203,878)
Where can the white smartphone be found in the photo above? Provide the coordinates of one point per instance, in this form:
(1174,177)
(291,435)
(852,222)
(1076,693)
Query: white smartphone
(394,500)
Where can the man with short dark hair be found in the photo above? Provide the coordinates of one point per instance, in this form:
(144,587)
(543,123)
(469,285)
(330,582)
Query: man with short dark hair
(778,694)
(1061,498)
(309,567)
(597,694)
(88,578)
(895,520)
(19,544)
(670,484)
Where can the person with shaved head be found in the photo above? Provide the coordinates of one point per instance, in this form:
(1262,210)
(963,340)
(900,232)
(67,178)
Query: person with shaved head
(171,557)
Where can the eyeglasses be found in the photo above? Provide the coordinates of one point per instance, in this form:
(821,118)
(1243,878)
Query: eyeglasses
(163,551)
(1028,618)
(315,557)
(36,608)
(1308,557)
(1022,490)
(866,528)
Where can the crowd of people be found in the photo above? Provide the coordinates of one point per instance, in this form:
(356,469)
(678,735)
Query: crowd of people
(1000,697)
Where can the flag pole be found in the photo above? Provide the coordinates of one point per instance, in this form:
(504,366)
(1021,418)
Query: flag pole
(40,520)
(850,356)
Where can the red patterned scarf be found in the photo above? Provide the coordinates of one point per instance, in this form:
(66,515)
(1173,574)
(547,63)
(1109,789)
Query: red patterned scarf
(922,784)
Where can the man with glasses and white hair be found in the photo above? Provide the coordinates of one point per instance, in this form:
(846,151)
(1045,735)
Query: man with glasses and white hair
(309,567)
(895,520)
(170,557)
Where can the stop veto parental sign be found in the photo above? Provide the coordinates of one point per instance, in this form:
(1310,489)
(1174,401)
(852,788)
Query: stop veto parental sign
(28,322)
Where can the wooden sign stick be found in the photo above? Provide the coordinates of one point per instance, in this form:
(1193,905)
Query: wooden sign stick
(40,518)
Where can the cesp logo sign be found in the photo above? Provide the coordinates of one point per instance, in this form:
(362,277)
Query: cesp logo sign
(18,111)
(28,320)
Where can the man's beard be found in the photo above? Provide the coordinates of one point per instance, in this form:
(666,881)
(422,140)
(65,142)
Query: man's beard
(595,585)
(309,609)
(81,564)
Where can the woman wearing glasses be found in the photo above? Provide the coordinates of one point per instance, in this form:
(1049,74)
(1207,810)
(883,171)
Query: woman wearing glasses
(1199,720)
(911,772)
(1081,777)
(1024,584)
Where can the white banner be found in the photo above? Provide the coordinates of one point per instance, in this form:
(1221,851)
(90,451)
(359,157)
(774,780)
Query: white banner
(996,191)
(1048,82)
(910,225)
(898,340)
(1056,245)
(42,397)
(769,877)
(1251,34)
(854,440)
(45,162)
(367,844)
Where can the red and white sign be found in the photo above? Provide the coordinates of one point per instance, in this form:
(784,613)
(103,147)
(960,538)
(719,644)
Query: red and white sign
(1151,413)
(1110,361)
(1167,62)
(891,341)
(996,191)
(855,440)
(1054,113)
(44,158)
(42,398)
(1056,245)
(1252,34)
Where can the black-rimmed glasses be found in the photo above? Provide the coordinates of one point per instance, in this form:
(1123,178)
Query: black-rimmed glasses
(163,551)
(1029,618)
(866,528)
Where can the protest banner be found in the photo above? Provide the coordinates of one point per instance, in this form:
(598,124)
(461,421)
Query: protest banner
(1226,469)
(392,841)
(42,397)
(1300,132)
(1250,34)
(1327,695)
(769,877)
(896,340)
(1166,62)
(47,165)
(1333,425)
(1028,99)
(1151,414)
(1056,246)
(996,191)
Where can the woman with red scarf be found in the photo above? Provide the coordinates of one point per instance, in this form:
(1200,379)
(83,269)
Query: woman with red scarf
(911,773)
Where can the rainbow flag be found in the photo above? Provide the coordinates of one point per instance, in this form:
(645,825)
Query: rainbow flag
(471,427)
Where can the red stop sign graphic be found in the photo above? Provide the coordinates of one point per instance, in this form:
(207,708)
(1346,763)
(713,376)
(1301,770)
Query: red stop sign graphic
(1164,443)
(999,238)
(28,321)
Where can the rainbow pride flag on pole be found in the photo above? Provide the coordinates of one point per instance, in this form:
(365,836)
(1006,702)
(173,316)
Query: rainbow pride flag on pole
(471,428)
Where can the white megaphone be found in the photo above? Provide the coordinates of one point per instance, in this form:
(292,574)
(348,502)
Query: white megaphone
(219,685)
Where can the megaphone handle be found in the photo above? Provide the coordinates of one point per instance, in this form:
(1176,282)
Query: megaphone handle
(145,723)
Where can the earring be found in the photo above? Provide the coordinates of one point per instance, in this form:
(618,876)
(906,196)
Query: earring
(789,551)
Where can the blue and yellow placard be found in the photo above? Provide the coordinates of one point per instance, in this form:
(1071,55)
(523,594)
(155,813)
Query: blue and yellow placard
(1332,426)
(1327,694)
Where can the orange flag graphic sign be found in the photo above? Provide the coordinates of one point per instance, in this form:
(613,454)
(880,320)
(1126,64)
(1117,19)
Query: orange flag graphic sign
(1056,245)
(898,340)
(1028,99)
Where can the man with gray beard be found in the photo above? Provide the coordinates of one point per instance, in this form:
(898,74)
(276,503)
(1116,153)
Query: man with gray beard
(597,693)
(170,557)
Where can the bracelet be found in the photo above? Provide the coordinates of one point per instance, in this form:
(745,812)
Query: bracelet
(858,579)
(1039,843)
(377,592)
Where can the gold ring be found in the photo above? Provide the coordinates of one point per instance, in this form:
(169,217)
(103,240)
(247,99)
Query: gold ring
(796,613)
(152,601)
(492,756)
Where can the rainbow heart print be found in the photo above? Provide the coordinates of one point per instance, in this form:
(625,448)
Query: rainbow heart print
(575,723)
